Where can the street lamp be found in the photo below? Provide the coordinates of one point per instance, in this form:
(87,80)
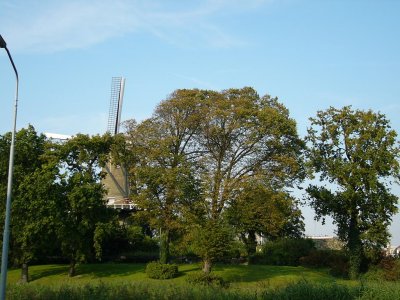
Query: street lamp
(6,234)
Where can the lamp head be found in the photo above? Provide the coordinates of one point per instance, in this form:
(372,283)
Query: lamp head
(3,43)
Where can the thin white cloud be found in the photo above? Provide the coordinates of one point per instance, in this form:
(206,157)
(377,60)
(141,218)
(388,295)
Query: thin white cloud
(72,124)
(75,24)
(51,26)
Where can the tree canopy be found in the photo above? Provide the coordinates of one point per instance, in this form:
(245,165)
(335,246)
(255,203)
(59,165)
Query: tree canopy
(58,199)
(206,169)
(357,153)
(200,147)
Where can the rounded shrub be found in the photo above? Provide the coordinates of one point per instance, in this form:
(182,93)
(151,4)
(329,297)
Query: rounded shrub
(157,270)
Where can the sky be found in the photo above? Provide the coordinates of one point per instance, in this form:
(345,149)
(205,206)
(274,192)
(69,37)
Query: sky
(310,54)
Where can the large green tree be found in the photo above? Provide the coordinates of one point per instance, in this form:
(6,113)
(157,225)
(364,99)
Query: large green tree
(357,153)
(34,196)
(193,155)
(82,208)
(34,217)
(162,169)
(244,136)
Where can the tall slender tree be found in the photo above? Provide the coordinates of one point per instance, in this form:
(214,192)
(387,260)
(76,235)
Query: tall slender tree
(83,206)
(34,198)
(357,153)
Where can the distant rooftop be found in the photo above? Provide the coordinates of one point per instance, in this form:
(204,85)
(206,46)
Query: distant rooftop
(321,237)
(56,136)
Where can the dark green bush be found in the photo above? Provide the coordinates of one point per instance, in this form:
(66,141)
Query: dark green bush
(340,268)
(388,269)
(205,279)
(336,260)
(137,257)
(284,252)
(157,270)
(317,259)
(259,259)
(391,268)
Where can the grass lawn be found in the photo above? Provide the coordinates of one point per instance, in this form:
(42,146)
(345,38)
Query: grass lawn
(240,276)
(129,281)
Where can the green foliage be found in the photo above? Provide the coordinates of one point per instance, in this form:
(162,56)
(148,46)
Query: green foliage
(259,209)
(34,197)
(322,258)
(82,207)
(102,233)
(388,269)
(207,279)
(189,161)
(157,270)
(134,235)
(283,252)
(138,256)
(336,260)
(357,152)
(391,268)
(130,240)
(211,241)
(164,185)
(244,137)
(237,252)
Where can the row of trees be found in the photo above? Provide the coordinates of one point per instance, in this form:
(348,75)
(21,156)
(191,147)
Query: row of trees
(206,159)
(205,168)
(57,196)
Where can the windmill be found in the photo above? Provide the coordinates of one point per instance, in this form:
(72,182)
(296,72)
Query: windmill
(116,181)
(114,113)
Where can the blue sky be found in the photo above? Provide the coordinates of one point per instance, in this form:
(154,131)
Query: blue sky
(310,54)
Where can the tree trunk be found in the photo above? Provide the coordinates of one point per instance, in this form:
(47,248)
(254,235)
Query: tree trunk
(251,243)
(164,246)
(71,271)
(207,265)
(24,273)
(355,249)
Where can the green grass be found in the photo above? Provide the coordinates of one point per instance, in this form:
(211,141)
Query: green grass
(255,275)
(129,281)
(58,274)
(238,275)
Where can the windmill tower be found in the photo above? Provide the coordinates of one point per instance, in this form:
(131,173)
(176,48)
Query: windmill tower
(116,181)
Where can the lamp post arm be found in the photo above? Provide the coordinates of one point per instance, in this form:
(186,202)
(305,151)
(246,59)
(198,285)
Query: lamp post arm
(6,234)
(13,65)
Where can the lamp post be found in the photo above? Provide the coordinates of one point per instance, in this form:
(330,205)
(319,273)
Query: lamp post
(6,234)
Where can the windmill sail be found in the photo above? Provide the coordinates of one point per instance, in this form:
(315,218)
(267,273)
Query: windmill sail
(116,181)
(114,113)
